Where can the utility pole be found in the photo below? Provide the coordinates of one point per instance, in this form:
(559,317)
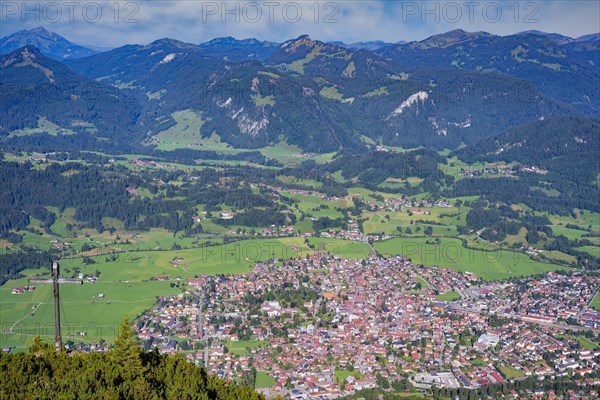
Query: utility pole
(56,282)
(57,336)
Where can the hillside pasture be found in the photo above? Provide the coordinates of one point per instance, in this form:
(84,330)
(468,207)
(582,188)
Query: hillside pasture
(488,265)
(129,284)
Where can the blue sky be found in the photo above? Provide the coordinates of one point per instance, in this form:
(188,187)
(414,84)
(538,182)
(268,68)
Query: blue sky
(102,24)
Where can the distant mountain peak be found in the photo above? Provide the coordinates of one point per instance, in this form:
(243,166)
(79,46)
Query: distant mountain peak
(49,43)
(231,40)
(32,65)
(171,43)
(555,37)
(32,34)
(562,39)
(443,40)
(457,35)
(370,46)
(461,33)
(225,39)
(235,50)
(41,30)
(592,37)
(300,40)
(536,32)
(304,42)
(456,32)
(25,53)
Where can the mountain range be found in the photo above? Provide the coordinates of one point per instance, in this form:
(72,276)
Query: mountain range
(446,91)
(42,97)
(371,46)
(568,72)
(562,39)
(230,49)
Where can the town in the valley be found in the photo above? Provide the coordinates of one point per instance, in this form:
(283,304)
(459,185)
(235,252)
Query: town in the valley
(322,326)
(317,325)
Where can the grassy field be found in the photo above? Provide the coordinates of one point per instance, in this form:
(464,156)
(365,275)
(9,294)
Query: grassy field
(154,239)
(318,207)
(510,372)
(478,362)
(343,248)
(303,226)
(127,287)
(455,165)
(569,233)
(388,221)
(448,296)
(231,258)
(422,281)
(592,250)
(560,256)
(186,132)
(290,154)
(582,218)
(341,375)
(241,346)
(587,343)
(584,342)
(331,93)
(264,380)
(48,127)
(32,313)
(596,301)
(450,253)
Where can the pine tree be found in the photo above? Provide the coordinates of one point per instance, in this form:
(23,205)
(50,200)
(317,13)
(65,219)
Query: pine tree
(127,351)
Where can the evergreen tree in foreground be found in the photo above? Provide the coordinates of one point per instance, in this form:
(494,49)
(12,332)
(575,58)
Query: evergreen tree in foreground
(123,373)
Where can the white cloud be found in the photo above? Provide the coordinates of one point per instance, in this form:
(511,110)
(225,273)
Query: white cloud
(355,20)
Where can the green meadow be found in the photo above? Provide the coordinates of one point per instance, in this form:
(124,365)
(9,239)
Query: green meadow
(240,347)
(442,220)
(32,313)
(488,265)
(592,250)
(510,372)
(569,233)
(231,258)
(264,380)
(448,296)
(187,132)
(343,248)
(342,375)
(584,342)
(128,289)
(582,218)
(587,343)
(48,127)
(596,301)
